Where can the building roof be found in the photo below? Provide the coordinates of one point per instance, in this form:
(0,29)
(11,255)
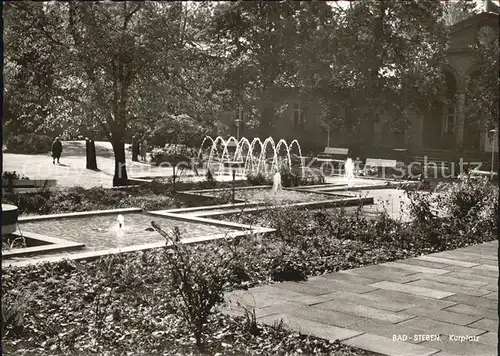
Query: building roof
(490,14)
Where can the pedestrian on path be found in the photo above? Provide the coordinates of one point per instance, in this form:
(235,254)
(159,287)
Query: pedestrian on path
(56,150)
(144,150)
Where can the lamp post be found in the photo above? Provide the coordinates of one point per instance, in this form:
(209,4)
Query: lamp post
(238,121)
(328,137)
(492,135)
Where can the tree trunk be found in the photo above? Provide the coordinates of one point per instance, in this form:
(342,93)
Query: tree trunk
(120,178)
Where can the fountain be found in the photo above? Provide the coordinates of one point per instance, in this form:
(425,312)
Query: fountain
(277,182)
(252,156)
(121,221)
(349,169)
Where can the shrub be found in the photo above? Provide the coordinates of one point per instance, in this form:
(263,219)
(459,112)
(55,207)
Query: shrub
(288,177)
(199,274)
(29,144)
(173,155)
(258,179)
(209,176)
(79,199)
(469,197)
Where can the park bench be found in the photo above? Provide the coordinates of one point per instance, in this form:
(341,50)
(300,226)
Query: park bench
(333,154)
(378,164)
(27,185)
(433,165)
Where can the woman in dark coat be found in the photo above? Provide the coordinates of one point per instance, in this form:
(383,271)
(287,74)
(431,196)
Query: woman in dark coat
(56,150)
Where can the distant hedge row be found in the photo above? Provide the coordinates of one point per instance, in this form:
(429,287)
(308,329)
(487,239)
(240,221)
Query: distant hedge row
(29,144)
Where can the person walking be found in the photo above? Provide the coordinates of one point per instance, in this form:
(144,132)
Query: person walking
(56,150)
(144,150)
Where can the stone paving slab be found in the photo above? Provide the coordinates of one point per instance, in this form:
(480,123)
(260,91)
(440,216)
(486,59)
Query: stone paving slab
(364,311)
(415,269)
(379,273)
(487,267)
(412,289)
(305,326)
(446,278)
(487,261)
(441,294)
(387,346)
(473,310)
(473,277)
(477,272)
(386,329)
(429,264)
(443,315)
(320,315)
(459,255)
(493,296)
(429,326)
(468,348)
(440,286)
(430,303)
(372,300)
(482,302)
(486,324)
(448,261)
(490,338)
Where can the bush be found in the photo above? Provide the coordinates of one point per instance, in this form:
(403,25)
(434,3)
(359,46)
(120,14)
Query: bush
(199,274)
(29,144)
(258,179)
(469,197)
(79,199)
(173,155)
(288,177)
(209,176)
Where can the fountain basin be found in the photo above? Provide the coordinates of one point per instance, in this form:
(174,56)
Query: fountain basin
(9,218)
(99,232)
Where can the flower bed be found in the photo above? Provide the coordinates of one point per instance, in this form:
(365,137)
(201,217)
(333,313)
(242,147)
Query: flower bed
(80,199)
(124,306)
(147,302)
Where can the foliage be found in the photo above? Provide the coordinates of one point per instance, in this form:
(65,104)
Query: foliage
(178,129)
(209,176)
(469,197)
(174,155)
(10,242)
(258,179)
(482,86)
(80,199)
(198,277)
(12,175)
(28,144)
(123,304)
(111,68)
(105,306)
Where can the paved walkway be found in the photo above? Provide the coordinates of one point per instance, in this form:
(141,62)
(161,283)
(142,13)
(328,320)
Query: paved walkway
(72,172)
(420,306)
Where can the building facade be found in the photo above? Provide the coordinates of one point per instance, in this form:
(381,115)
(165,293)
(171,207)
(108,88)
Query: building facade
(443,127)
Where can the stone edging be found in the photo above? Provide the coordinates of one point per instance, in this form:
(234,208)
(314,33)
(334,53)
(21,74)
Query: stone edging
(78,214)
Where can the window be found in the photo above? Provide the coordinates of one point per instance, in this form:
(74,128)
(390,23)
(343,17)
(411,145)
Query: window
(298,116)
(450,119)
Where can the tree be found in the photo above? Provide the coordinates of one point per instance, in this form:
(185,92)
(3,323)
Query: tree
(482,88)
(109,66)
(265,48)
(386,60)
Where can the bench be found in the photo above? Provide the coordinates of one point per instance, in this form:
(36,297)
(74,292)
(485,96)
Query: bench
(379,164)
(333,154)
(27,185)
(438,166)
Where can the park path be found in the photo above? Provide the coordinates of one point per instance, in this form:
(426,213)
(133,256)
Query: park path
(72,171)
(441,297)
